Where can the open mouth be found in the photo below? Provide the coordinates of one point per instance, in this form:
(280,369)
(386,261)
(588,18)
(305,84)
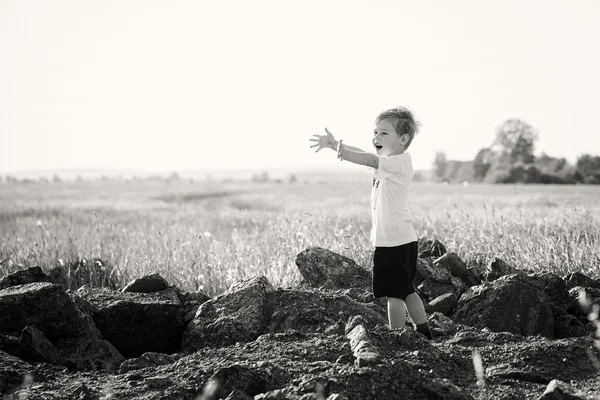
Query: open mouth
(378,146)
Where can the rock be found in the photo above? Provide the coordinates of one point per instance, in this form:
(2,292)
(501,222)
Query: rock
(559,390)
(34,346)
(508,304)
(89,354)
(444,304)
(238,315)
(427,271)
(431,248)
(30,275)
(364,351)
(431,289)
(578,279)
(136,323)
(552,285)
(321,267)
(147,284)
(498,268)
(453,264)
(47,307)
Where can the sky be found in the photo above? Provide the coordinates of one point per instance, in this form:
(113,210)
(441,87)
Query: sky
(179,85)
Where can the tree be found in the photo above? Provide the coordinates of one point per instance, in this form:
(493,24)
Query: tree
(482,163)
(516,139)
(440,164)
(588,169)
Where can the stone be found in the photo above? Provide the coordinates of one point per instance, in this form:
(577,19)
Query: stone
(498,268)
(91,354)
(510,304)
(457,268)
(578,279)
(443,303)
(321,267)
(29,275)
(365,353)
(238,315)
(136,323)
(34,346)
(147,284)
(47,307)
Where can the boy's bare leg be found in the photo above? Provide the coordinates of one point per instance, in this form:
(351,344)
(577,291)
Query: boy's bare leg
(415,308)
(396,312)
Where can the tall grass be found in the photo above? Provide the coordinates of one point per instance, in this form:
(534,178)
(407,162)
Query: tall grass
(205,236)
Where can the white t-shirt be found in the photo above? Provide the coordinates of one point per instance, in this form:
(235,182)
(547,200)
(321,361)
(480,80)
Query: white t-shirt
(391,220)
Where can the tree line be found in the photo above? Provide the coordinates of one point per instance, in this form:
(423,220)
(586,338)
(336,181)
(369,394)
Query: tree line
(510,159)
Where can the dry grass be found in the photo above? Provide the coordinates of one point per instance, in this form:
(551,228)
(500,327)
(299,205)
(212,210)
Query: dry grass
(207,235)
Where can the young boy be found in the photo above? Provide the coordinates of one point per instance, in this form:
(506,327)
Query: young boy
(392,232)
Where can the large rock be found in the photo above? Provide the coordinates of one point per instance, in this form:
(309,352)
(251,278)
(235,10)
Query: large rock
(498,268)
(136,323)
(34,346)
(432,281)
(457,268)
(48,308)
(578,279)
(147,284)
(552,285)
(321,267)
(89,354)
(238,315)
(508,304)
(29,275)
(443,304)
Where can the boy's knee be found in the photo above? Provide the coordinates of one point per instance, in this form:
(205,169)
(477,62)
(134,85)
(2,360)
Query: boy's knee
(396,301)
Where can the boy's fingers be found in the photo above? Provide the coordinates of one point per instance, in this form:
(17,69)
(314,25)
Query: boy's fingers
(314,145)
(314,140)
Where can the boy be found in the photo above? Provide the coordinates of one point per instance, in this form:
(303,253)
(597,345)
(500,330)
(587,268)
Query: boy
(392,233)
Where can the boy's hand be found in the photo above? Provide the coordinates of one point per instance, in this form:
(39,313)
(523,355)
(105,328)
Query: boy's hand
(324,141)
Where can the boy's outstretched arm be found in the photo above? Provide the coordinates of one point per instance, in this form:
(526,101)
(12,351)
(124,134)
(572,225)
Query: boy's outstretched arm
(328,141)
(357,157)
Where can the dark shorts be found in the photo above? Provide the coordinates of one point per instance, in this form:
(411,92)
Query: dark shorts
(394,270)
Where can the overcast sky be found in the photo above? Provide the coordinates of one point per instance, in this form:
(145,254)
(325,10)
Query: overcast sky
(173,85)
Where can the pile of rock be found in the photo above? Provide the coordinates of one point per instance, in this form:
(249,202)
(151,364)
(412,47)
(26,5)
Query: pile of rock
(326,339)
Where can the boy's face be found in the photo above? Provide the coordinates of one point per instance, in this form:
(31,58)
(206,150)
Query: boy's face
(386,141)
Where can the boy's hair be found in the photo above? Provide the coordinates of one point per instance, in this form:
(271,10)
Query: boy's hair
(403,121)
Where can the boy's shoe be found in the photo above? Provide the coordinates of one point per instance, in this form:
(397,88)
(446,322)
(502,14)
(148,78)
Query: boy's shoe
(424,329)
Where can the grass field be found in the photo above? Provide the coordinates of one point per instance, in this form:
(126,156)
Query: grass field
(206,235)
